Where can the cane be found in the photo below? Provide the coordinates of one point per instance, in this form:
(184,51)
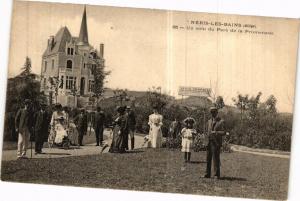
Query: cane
(31,144)
(31,150)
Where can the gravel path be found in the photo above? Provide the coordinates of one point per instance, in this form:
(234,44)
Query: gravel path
(88,149)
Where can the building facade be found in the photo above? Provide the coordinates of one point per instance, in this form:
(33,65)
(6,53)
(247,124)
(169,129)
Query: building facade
(68,64)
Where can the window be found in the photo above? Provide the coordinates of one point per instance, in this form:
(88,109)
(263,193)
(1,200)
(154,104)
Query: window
(45,66)
(61,84)
(52,63)
(70,51)
(69,64)
(70,82)
(91,85)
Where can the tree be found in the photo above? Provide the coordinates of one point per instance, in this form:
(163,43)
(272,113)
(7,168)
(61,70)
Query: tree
(54,85)
(23,86)
(220,102)
(26,70)
(241,102)
(74,93)
(121,95)
(100,74)
(252,106)
(271,104)
(156,98)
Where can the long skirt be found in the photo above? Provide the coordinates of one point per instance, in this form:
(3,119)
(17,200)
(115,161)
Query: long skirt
(155,137)
(118,141)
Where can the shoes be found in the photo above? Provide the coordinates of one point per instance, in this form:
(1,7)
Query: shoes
(217,177)
(22,157)
(97,145)
(206,176)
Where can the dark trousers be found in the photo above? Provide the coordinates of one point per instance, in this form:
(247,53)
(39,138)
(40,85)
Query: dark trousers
(213,153)
(39,140)
(80,137)
(99,135)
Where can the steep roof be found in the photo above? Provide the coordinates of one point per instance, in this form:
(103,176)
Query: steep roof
(60,40)
(83,34)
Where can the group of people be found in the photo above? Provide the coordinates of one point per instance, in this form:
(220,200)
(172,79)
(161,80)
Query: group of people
(58,123)
(123,126)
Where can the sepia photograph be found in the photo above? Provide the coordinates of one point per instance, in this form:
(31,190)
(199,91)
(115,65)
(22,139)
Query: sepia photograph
(150,100)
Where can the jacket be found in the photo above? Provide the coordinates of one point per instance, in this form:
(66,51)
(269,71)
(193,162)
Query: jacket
(216,130)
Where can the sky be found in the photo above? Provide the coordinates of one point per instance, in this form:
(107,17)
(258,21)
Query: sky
(142,49)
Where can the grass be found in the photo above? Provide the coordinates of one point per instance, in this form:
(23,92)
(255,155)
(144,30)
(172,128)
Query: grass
(243,175)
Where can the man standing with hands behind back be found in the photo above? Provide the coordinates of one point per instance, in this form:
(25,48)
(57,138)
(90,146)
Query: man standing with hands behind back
(215,132)
(22,123)
(99,121)
(81,124)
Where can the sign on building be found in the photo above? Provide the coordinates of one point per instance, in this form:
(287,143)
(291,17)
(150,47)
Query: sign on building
(194,91)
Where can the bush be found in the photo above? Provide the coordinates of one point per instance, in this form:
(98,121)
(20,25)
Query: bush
(173,143)
(199,143)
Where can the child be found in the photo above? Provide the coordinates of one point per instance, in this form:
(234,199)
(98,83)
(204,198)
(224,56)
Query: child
(187,134)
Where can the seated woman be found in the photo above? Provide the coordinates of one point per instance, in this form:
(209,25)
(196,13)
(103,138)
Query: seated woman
(120,131)
(56,119)
(60,131)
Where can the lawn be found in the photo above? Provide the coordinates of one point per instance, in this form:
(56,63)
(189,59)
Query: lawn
(243,175)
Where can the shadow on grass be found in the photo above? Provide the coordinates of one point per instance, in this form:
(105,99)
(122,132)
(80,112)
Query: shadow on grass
(133,151)
(59,154)
(197,162)
(233,179)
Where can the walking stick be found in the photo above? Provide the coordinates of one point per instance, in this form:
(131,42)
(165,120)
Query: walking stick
(31,147)
(31,150)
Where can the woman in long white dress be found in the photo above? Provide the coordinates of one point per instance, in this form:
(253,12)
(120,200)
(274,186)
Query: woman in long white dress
(58,125)
(155,134)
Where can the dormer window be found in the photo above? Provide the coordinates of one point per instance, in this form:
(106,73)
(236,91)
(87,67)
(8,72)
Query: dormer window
(70,51)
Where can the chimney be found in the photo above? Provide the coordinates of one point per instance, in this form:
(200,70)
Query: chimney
(101,50)
(50,43)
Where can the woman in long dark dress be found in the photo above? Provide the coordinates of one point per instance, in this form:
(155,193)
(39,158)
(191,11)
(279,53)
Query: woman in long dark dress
(120,131)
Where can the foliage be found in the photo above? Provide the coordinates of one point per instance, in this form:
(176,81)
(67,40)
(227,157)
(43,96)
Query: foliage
(100,74)
(23,86)
(173,143)
(220,102)
(261,126)
(54,85)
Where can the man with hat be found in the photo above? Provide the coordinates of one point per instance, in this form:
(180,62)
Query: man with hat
(131,125)
(40,128)
(23,126)
(215,132)
(99,121)
(81,124)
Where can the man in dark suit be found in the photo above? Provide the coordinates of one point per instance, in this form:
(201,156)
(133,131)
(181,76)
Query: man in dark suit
(81,124)
(23,126)
(215,132)
(99,120)
(40,128)
(131,126)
